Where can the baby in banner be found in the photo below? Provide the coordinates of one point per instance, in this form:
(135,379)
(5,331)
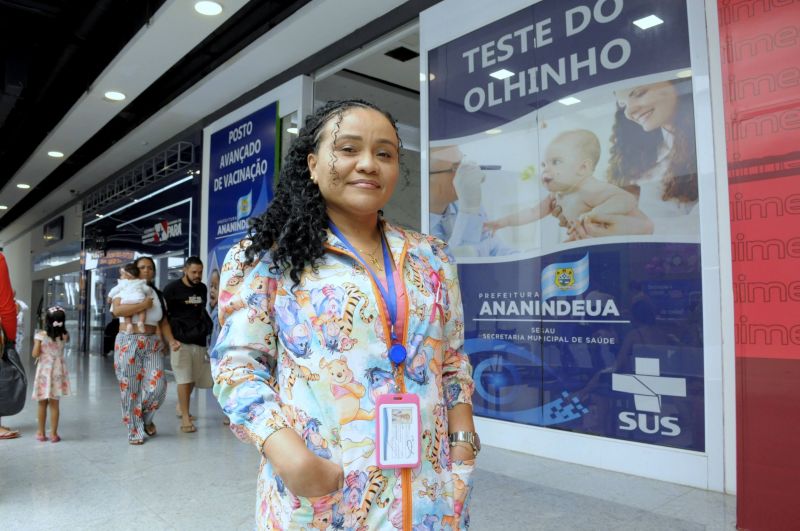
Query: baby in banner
(575,195)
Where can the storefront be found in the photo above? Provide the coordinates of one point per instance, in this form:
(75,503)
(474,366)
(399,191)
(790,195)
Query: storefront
(161,222)
(595,250)
(55,274)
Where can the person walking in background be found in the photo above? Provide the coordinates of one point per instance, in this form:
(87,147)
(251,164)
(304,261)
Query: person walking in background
(21,309)
(330,315)
(139,359)
(52,379)
(191,326)
(8,322)
(213,307)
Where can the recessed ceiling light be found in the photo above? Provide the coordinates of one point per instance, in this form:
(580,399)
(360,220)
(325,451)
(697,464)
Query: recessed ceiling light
(113,95)
(208,8)
(648,22)
(55,154)
(493,131)
(684,73)
(292,130)
(3,207)
(569,100)
(23,186)
(502,73)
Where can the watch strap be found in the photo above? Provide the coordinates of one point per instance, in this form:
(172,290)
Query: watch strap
(468,437)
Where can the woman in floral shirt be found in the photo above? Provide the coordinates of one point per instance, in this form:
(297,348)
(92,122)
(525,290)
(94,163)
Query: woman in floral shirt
(316,309)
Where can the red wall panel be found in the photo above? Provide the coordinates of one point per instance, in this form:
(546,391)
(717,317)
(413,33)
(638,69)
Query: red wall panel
(760,41)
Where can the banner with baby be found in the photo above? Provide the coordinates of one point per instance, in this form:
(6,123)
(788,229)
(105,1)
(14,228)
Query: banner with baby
(563,176)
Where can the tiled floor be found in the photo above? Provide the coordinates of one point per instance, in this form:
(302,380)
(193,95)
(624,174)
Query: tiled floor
(94,480)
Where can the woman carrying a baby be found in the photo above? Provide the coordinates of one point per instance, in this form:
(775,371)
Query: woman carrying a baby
(139,356)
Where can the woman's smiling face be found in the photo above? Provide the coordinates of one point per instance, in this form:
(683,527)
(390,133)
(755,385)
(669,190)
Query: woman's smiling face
(357,163)
(651,106)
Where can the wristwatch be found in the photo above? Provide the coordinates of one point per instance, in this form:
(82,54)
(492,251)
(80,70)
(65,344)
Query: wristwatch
(469,437)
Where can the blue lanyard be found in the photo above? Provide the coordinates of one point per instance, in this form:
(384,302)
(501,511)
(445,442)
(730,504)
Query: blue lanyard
(390,297)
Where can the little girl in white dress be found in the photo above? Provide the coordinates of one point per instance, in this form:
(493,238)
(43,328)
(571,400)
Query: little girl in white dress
(52,380)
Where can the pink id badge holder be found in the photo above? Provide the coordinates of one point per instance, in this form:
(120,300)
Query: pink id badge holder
(398,431)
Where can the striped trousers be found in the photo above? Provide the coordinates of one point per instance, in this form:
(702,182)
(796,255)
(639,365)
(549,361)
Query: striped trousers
(139,366)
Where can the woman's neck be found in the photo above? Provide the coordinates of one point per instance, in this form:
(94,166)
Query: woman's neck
(360,231)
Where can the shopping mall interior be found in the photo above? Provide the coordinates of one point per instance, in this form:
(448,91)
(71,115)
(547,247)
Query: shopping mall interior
(633,371)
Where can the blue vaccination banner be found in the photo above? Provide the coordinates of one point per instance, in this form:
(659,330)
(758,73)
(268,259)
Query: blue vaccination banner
(241,173)
(563,178)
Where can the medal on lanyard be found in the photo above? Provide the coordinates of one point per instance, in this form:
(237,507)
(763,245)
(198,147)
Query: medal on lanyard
(397,351)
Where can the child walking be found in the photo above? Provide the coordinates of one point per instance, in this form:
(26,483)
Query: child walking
(52,380)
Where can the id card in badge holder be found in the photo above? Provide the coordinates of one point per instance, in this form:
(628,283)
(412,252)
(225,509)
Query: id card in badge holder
(398,437)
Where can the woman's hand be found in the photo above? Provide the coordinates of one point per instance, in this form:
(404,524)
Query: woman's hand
(313,476)
(612,225)
(303,472)
(128,310)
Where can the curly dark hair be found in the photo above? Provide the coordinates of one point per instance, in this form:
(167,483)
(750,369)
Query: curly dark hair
(634,151)
(294,226)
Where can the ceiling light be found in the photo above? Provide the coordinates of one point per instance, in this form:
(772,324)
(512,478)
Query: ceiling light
(502,74)
(569,100)
(648,22)
(292,130)
(208,8)
(99,215)
(55,154)
(113,95)
(3,207)
(493,131)
(23,186)
(684,73)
